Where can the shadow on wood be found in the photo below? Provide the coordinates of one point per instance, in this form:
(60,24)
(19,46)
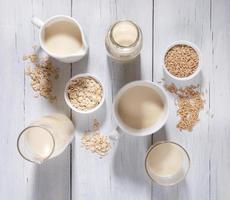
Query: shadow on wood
(198,80)
(123,73)
(81,66)
(52,178)
(84,121)
(160,135)
(171,192)
(128,161)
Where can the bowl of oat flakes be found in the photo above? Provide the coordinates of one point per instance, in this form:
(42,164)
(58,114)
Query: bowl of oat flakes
(182,60)
(84,93)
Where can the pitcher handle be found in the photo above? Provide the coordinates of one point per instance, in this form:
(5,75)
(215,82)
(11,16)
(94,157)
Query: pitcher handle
(115,135)
(37,22)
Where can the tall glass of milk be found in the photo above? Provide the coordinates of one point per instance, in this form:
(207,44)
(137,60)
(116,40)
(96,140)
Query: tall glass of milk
(45,138)
(167,163)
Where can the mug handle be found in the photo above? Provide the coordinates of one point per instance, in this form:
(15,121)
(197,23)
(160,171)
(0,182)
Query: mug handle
(115,135)
(37,22)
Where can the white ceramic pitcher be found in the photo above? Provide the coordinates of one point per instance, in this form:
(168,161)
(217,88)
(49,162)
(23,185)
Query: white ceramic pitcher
(65,58)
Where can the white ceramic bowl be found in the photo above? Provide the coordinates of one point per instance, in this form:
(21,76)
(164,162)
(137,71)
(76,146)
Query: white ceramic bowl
(147,131)
(70,104)
(192,76)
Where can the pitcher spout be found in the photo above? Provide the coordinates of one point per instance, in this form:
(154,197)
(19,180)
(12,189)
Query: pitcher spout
(84,48)
(82,52)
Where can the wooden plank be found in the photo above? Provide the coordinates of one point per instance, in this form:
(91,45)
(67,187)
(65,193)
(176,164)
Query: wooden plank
(121,174)
(12,113)
(219,101)
(186,20)
(51,180)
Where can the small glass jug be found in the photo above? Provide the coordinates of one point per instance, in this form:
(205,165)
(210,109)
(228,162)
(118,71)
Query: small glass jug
(45,138)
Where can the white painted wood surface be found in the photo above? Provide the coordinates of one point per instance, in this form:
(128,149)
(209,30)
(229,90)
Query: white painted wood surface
(79,175)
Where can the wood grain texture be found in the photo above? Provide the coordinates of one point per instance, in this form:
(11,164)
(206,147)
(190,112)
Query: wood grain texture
(12,113)
(121,174)
(51,180)
(79,175)
(21,179)
(198,22)
(219,101)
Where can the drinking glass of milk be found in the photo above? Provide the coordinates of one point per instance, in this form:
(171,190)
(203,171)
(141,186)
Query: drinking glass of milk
(45,138)
(124,40)
(167,163)
(62,38)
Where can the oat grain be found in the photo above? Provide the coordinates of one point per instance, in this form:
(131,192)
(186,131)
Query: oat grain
(181,60)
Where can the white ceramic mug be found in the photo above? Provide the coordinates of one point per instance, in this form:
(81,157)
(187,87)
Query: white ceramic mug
(140,132)
(65,58)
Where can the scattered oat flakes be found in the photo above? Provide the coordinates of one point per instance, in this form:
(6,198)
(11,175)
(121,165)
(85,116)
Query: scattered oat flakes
(85,93)
(34,47)
(33,58)
(95,142)
(189,102)
(181,60)
(41,71)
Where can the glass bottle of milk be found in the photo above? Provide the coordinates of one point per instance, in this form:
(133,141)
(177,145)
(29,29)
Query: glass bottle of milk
(45,138)
(124,40)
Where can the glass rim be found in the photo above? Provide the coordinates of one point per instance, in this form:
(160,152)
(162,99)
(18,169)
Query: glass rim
(116,43)
(35,126)
(163,142)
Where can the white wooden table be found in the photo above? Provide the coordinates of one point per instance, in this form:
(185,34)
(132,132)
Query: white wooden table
(79,175)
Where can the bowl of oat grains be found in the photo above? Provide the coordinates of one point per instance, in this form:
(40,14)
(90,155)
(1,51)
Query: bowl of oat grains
(182,60)
(84,93)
